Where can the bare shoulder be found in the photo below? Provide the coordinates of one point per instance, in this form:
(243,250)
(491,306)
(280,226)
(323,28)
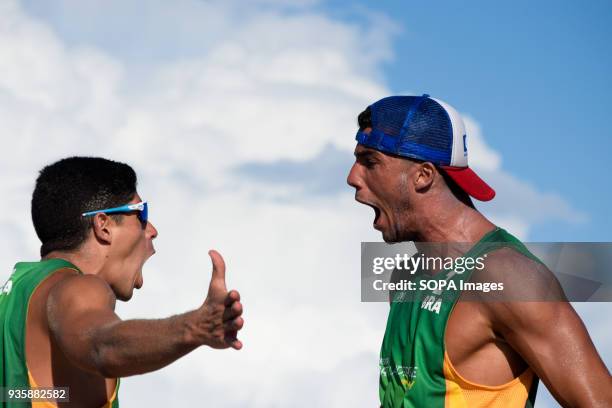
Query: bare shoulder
(78,292)
(531,295)
(524,278)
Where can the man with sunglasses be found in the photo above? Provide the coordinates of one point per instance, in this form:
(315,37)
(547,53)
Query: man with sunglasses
(447,348)
(58,327)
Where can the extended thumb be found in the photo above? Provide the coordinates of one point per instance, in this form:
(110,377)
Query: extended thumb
(218,267)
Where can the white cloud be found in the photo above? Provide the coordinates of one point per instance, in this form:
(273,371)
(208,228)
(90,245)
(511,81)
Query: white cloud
(481,156)
(517,216)
(184,126)
(246,86)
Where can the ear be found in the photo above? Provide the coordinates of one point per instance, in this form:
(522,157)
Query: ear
(424,176)
(102,228)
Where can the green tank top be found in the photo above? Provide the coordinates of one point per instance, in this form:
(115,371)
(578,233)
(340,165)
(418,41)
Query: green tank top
(412,357)
(14,301)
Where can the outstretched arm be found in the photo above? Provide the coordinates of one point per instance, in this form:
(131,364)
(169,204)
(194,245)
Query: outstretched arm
(82,320)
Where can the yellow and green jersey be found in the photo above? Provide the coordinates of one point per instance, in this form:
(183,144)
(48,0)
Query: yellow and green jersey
(415,370)
(14,301)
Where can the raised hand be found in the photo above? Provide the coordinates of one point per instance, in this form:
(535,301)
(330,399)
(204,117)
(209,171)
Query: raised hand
(221,313)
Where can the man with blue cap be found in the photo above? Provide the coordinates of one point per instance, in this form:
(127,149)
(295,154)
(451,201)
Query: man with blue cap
(440,349)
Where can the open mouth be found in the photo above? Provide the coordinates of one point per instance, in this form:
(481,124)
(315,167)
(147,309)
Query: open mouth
(376,214)
(377,211)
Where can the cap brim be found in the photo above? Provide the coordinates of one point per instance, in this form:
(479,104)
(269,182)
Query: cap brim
(469,182)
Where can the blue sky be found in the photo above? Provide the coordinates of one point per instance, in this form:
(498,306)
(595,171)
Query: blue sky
(536,75)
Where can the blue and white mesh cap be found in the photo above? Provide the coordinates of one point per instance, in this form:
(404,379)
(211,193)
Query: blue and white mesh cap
(427,129)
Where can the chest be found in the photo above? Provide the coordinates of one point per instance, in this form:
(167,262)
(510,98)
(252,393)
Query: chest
(428,324)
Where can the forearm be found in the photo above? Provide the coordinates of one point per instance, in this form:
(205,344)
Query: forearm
(138,346)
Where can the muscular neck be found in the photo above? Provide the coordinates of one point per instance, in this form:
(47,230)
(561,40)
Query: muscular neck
(449,220)
(88,260)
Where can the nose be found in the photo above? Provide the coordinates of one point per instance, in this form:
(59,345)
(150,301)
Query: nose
(353,177)
(151,230)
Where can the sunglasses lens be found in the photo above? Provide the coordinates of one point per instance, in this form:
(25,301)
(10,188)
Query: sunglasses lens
(143,215)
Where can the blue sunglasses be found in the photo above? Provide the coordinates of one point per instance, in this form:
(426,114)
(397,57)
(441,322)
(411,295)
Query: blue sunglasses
(141,207)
